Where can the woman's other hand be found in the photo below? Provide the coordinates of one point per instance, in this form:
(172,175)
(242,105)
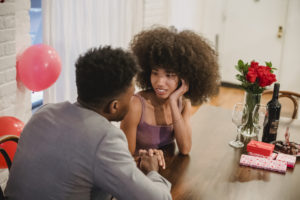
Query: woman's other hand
(180,91)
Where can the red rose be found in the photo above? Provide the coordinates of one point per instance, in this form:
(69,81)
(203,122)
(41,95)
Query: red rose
(252,74)
(257,76)
(265,76)
(254,64)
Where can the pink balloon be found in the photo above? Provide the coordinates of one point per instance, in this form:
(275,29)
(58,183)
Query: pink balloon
(39,67)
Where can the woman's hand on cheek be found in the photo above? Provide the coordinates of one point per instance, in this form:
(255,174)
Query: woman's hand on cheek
(180,91)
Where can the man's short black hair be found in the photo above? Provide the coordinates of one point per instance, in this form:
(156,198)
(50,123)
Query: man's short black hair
(104,73)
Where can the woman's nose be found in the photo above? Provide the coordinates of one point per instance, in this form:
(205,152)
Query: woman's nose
(161,80)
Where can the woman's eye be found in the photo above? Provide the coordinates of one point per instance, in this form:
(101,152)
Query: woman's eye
(171,75)
(154,73)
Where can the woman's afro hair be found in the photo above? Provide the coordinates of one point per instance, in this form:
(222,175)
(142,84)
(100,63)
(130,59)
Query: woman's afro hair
(186,53)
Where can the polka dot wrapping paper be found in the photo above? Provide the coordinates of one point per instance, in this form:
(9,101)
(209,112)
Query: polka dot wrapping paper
(263,163)
(291,160)
(270,157)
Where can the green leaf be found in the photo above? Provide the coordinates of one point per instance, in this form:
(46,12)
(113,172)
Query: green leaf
(269,64)
(238,68)
(273,69)
(239,77)
(245,69)
(240,63)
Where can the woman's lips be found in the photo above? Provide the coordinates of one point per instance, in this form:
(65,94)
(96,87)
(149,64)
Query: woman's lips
(160,91)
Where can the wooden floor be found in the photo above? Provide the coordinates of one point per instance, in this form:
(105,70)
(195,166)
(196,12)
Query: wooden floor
(227,97)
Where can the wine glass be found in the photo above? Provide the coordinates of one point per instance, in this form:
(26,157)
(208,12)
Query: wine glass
(260,116)
(240,117)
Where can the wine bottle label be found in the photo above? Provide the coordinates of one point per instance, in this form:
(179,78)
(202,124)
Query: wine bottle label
(273,127)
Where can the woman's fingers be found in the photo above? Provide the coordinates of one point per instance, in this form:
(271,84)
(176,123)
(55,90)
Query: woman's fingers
(163,163)
(151,152)
(142,152)
(185,85)
(160,157)
(182,89)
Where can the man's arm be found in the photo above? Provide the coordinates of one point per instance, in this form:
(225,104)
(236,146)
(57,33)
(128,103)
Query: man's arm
(116,172)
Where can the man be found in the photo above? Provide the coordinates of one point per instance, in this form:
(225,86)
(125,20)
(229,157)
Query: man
(72,151)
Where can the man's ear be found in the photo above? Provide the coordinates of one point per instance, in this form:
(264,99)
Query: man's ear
(113,107)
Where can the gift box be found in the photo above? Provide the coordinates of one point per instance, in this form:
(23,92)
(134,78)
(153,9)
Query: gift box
(263,163)
(270,157)
(291,160)
(261,148)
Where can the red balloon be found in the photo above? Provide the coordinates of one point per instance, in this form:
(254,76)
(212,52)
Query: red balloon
(9,126)
(38,67)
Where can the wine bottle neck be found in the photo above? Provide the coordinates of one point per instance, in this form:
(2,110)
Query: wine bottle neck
(276,91)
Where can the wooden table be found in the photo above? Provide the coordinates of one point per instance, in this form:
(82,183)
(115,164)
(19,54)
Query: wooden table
(212,169)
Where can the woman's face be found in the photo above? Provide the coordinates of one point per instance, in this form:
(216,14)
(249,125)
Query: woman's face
(163,82)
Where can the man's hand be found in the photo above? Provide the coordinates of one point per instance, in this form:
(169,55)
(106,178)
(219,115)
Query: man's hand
(151,160)
(149,163)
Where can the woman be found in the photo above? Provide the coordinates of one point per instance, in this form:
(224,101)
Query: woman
(178,69)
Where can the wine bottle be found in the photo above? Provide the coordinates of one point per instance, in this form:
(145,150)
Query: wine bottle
(274,107)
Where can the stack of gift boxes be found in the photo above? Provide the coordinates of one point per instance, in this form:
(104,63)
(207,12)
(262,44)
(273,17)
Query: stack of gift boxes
(260,155)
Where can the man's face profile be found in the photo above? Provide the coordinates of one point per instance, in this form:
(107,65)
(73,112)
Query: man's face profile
(124,102)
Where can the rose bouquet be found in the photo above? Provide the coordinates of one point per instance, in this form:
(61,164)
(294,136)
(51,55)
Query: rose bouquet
(254,79)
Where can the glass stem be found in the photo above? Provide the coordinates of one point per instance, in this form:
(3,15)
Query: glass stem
(239,128)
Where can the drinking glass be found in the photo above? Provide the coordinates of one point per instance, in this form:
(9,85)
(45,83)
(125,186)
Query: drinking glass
(240,117)
(260,116)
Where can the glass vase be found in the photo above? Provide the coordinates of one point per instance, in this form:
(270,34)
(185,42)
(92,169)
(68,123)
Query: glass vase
(251,100)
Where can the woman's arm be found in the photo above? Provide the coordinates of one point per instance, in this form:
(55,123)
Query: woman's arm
(130,122)
(181,120)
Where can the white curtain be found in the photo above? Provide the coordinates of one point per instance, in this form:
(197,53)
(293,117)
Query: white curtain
(73,26)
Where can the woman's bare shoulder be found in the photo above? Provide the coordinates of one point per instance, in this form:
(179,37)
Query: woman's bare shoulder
(146,94)
(135,103)
(134,113)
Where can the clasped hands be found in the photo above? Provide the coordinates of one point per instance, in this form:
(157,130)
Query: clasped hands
(149,160)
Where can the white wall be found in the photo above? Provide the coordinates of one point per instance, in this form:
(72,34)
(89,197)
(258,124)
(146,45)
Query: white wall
(209,16)
(14,37)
